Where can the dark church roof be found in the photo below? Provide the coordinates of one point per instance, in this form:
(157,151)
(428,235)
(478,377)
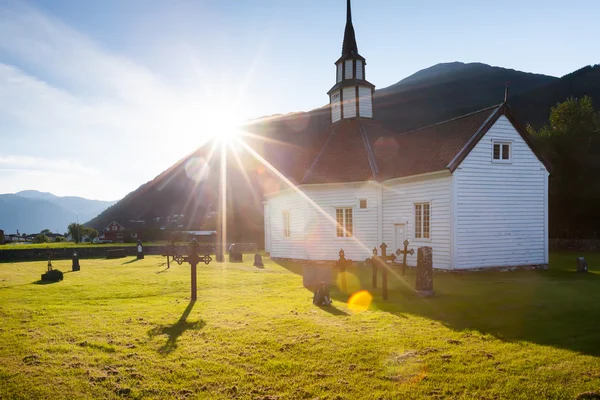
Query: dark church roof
(357,150)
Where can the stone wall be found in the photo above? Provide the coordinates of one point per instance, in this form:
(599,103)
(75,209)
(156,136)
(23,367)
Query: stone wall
(574,245)
(37,254)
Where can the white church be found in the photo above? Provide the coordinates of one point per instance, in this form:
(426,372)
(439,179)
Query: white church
(471,187)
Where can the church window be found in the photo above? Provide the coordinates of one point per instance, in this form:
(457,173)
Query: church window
(114,228)
(345,223)
(362,204)
(286,224)
(422,221)
(502,152)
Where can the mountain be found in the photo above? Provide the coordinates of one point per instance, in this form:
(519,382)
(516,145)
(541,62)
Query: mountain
(290,142)
(31,211)
(533,107)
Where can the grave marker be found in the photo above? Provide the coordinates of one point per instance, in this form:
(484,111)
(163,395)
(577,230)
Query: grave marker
(193,259)
(140,250)
(404,253)
(75,262)
(424,283)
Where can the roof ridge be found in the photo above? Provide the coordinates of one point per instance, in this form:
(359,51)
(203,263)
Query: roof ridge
(369,149)
(320,155)
(451,119)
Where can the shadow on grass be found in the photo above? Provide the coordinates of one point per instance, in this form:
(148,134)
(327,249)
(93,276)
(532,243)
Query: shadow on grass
(334,311)
(41,282)
(130,261)
(162,271)
(557,307)
(174,331)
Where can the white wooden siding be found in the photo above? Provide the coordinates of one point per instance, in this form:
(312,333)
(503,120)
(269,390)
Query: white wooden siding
(348,69)
(292,246)
(398,208)
(340,72)
(500,207)
(336,109)
(350,102)
(267,222)
(365,102)
(359,70)
(322,242)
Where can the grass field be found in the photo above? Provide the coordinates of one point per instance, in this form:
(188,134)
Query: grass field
(126,328)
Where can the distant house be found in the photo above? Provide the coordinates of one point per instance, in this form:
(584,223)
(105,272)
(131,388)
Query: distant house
(113,232)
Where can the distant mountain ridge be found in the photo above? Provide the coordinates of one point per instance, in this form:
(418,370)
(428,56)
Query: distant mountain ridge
(432,95)
(31,211)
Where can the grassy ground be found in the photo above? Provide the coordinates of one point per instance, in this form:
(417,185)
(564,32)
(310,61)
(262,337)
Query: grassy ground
(126,328)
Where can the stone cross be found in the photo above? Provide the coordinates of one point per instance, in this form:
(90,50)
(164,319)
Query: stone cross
(49,251)
(404,253)
(193,259)
(374,261)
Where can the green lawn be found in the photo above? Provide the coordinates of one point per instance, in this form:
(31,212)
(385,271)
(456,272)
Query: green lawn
(125,328)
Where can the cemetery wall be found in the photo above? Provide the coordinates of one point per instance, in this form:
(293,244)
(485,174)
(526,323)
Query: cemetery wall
(574,245)
(39,254)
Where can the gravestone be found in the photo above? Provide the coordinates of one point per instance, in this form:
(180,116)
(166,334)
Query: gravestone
(75,262)
(140,250)
(258,261)
(321,296)
(424,284)
(52,275)
(234,254)
(342,263)
(582,266)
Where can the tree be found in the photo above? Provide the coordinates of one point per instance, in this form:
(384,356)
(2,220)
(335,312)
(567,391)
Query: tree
(570,141)
(46,231)
(41,238)
(78,231)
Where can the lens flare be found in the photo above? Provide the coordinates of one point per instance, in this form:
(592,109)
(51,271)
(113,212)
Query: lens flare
(360,301)
(347,280)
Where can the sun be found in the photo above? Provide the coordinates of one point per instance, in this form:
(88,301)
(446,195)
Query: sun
(223,127)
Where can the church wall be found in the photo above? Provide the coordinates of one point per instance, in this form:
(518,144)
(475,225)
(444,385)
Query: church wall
(359,70)
(349,102)
(348,69)
(501,208)
(336,109)
(365,102)
(293,246)
(399,198)
(340,72)
(322,242)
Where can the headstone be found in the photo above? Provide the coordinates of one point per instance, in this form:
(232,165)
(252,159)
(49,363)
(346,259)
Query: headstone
(258,261)
(424,284)
(75,262)
(582,265)
(342,264)
(53,275)
(234,254)
(321,296)
(140,250)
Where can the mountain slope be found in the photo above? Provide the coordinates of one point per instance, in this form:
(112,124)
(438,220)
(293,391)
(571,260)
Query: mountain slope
(31,211)
(292,141)
(533,107)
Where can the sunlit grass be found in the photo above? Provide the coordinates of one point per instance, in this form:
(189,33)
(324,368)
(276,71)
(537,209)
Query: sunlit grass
(121,328)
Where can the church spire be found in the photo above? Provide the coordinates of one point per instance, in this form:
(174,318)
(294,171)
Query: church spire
(352,95)
(349,47)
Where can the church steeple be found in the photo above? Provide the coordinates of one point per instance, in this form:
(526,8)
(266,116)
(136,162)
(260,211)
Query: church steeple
(352,95)
(349,46)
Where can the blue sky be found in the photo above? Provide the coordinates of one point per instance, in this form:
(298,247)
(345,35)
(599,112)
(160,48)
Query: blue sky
(98,97)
